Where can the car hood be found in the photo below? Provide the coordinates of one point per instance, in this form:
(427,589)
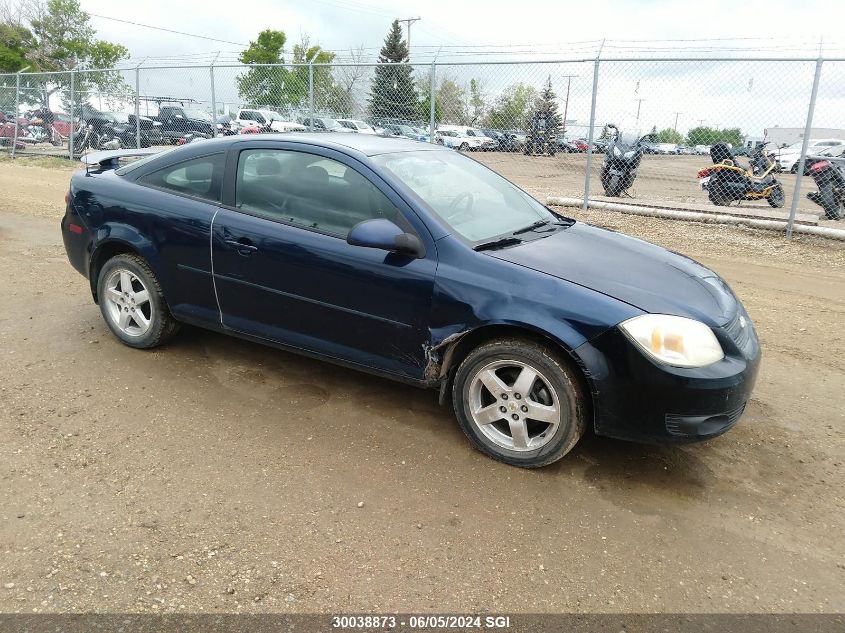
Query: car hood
(639,273)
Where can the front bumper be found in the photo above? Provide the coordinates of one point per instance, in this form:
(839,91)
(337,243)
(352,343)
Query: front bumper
(638,399)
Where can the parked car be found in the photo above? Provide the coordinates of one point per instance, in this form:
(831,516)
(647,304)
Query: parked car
(455,140)
(482,142)
(357,125)
(702,150)
(418,264)
(324,124)
(574,146)
(276,122)
(401,130)
(177,121)
(788,157)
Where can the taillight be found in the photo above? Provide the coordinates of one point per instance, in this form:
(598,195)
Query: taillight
(74,228)
(820,166)
(703,173)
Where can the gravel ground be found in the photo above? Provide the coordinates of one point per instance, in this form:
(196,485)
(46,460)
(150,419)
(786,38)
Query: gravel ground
(218,475)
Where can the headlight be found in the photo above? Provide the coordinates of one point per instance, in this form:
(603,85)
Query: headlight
(617,152)
(674,340)
(630,155)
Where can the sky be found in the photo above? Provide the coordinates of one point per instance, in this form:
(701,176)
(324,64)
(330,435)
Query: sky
(753,95)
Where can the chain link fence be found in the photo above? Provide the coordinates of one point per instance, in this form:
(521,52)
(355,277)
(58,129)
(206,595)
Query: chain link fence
(635,131)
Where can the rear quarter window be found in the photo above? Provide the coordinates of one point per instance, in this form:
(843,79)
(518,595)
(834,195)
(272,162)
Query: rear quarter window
(198,177)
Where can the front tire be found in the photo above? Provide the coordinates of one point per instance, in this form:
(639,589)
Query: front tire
(518,403)
(132,303)
(776,198)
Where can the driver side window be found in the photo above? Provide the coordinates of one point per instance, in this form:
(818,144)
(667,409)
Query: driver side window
(309,191)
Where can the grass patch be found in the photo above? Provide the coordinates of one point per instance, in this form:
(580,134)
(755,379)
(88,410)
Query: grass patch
(49,162)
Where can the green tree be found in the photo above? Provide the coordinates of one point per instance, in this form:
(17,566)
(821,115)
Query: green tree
(512,109)
(668,135)
(263,85)
(327,95)
(546,108)
(393,95)
(450,99)
(278,86)
(425,103)
(605,133)
(704,135)
(15,43)
(477,102)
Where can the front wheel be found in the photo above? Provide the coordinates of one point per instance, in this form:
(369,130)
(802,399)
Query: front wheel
(133,304)
(517,402)
(776,197)
(613,188)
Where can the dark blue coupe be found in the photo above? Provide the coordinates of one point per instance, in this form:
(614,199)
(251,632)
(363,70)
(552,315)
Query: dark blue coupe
(416,263)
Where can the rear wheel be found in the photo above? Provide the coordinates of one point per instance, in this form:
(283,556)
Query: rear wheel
(833,208)
(132,302)
(463,147)
(519,403)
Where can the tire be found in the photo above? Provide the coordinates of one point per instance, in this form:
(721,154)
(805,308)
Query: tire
(828,201)
(614,187)
(776,198)
(125,309)
(463,147)
(556,387)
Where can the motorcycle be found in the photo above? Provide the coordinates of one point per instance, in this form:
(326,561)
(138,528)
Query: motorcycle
(830,180)
(621,160)
(89,138)
(726,181)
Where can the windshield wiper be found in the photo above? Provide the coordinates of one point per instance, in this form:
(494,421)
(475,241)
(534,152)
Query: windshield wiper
(541,223)
(500,243)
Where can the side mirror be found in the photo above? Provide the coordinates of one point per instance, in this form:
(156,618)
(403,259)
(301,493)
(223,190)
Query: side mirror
(385,235)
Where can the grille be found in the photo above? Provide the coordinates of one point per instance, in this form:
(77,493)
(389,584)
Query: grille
(687,425)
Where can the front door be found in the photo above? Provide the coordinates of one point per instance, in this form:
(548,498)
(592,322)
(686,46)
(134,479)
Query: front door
(284,271)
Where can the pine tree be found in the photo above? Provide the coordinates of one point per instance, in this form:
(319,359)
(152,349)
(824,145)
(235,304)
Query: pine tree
(393,95)
(546,108)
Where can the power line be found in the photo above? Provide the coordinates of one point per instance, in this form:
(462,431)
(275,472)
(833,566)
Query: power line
(159,28)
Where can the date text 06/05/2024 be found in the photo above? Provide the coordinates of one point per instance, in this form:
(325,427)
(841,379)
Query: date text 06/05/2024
(420,621)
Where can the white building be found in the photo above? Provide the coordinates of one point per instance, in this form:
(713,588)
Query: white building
(784,136)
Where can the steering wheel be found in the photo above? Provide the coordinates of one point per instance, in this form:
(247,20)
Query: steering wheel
(467,198)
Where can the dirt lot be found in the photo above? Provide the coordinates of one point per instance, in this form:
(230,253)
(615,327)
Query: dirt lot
(214,474)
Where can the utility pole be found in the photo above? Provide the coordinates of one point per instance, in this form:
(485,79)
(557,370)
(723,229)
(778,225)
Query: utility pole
(701,123)
(566,102)
(639,105)
(676,120)
(409,22)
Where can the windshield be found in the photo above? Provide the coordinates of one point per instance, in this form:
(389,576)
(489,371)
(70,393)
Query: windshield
(476,202)
(270,114)
(626,140)
(404,129)
(198,114)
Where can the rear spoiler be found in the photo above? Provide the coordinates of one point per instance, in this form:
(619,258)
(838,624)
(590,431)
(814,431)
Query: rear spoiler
(111,159)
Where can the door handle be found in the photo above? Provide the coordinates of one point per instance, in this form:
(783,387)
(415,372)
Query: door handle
(244,246)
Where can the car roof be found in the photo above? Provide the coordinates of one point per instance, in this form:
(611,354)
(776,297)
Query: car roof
(366,144)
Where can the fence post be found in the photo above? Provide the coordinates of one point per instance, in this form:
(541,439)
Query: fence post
(591,133)
(213,97)
(72,132)
(311,93)
(138,106)
(808,128)
(431,106)
(17,108)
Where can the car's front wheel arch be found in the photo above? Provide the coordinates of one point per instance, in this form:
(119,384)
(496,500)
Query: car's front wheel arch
(453,356)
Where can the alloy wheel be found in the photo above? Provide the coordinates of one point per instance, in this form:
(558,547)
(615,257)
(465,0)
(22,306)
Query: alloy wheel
(128,303)
(514,405)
